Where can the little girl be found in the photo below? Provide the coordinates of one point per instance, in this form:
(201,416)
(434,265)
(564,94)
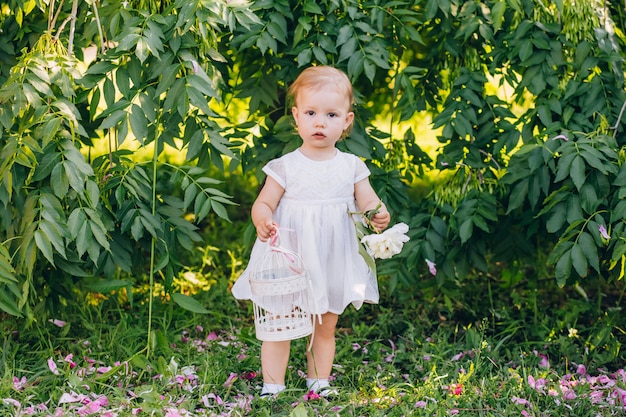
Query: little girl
(308,195)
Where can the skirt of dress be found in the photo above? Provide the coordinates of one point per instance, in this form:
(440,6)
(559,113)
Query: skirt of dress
(324,236)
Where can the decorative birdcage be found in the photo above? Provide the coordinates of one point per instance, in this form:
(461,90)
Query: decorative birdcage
(281,296)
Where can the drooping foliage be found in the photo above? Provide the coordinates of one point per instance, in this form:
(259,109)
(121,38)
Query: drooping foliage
(527,97)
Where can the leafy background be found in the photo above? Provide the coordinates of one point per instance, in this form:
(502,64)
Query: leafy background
(129,127)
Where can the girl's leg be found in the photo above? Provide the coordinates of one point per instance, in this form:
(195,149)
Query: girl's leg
(274,360)
(320,357)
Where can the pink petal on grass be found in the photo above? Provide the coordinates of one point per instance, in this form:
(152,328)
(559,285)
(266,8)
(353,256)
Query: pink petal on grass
(94,406)
(311,395)
(11,401)
(205,400)
(19,384)
(521,401)
(58,323)
(53,366)
(231,379)
(72,397)
(420,404)
(455,389)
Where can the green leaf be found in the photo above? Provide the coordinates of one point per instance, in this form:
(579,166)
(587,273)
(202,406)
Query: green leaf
(173,94)
(123,82)
(54,236)
(369,69)
(348,49)
(9,303)
(466,230)
(142,49)
(104,286)
(100,234)
(153,38)
(219,209)
(202,210)
(137,229)
(618,212)
(594,158)
(577,172)
(190,195)
(128,42)
(564,166)
(299,411)
(563,268)
(369,259)
(59,181)
(7,273)
(148,107)
(197,99)
(304,57)
(73,154)
(189,303)
(44,245)
(556,219)
(590,249)
(480,222)
(345,34)
(76,180)
(138,123)
(518,195)
(113,119)
(278,30)
(526,50)
(431,9)
(83,239)
(167,79)
(579,261)
(497,14)
(201,85)
(574,210)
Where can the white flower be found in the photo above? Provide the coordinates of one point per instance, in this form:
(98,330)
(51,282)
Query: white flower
(388,243)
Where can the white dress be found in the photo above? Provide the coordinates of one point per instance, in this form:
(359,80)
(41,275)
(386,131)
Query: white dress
(313,219)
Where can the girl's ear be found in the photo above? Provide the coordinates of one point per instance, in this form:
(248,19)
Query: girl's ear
(294,113)
(349,120)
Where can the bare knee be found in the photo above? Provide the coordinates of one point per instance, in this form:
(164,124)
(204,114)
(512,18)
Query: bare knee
(327,328)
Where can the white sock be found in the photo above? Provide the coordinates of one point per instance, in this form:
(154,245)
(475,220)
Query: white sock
(272,388)
(314,384)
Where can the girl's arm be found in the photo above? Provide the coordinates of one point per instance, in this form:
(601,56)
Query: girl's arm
(264,207)
(367,199)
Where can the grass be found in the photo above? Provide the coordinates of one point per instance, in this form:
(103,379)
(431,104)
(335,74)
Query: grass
(394,359)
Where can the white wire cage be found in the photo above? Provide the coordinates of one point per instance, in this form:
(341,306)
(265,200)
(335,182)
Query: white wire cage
(281,296)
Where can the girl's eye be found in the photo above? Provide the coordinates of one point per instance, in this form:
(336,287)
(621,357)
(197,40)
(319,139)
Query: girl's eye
(332,114)
(310,112)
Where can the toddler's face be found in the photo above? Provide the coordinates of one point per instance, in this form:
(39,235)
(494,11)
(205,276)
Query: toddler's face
(321,116)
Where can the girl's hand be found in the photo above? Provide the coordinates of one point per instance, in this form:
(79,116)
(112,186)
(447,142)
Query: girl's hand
(381,219)
(266,229)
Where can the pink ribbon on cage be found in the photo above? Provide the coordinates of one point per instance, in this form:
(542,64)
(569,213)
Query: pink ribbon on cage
(275,246)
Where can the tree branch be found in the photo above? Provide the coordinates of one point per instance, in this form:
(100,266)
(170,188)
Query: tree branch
(70,44)
(619,119)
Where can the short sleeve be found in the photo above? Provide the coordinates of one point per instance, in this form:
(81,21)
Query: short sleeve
(361,171)
(276,169)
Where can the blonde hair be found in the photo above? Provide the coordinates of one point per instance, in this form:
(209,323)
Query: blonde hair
(322,76)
